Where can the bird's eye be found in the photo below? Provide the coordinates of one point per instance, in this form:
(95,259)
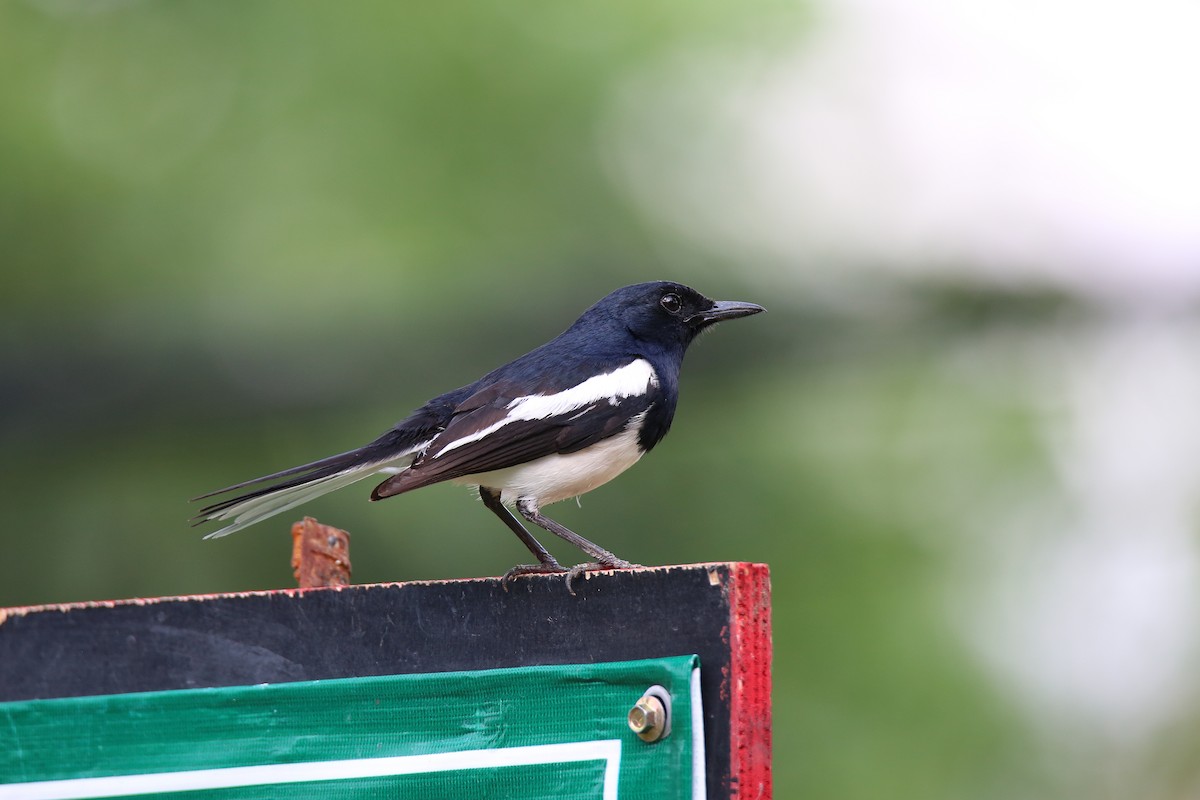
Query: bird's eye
(671,303)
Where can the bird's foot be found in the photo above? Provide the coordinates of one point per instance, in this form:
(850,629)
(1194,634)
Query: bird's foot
(596,566)
(546,568)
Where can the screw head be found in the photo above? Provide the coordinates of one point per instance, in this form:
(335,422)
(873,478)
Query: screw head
(648,718)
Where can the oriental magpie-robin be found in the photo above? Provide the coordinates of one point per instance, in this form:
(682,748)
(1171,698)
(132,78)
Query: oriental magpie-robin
(555,423)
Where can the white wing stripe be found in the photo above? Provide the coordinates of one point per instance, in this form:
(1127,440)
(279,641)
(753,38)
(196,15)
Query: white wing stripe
(632,379)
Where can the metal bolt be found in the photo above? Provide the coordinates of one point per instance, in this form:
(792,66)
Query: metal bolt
(649,716)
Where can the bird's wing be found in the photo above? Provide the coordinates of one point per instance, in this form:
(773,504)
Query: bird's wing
(500,427)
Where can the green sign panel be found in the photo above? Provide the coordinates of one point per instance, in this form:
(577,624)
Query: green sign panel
(530,732)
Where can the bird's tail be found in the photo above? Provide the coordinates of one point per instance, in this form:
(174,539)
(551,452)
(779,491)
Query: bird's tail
(284,490)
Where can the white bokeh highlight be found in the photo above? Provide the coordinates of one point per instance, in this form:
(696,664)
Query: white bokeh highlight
(1050,143)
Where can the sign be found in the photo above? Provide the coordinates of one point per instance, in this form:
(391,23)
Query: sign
(720,612)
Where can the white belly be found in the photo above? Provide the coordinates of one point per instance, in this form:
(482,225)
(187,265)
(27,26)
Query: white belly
(558,477)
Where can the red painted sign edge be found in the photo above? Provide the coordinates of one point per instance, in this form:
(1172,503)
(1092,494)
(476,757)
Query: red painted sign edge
(750,681)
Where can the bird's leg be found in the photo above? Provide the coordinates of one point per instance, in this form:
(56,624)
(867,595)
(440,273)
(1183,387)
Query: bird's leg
(546,562)
(604,559)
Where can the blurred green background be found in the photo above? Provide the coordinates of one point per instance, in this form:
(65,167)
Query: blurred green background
(241,236)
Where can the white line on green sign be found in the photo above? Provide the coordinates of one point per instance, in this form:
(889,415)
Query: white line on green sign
(607,750)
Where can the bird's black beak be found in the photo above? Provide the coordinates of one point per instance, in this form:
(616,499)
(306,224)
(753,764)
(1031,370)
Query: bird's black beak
(722,310)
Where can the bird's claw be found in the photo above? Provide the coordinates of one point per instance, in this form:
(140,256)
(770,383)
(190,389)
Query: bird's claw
(552,568)
(596,566)
(547,568)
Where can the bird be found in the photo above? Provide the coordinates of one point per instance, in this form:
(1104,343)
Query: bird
(551,425)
